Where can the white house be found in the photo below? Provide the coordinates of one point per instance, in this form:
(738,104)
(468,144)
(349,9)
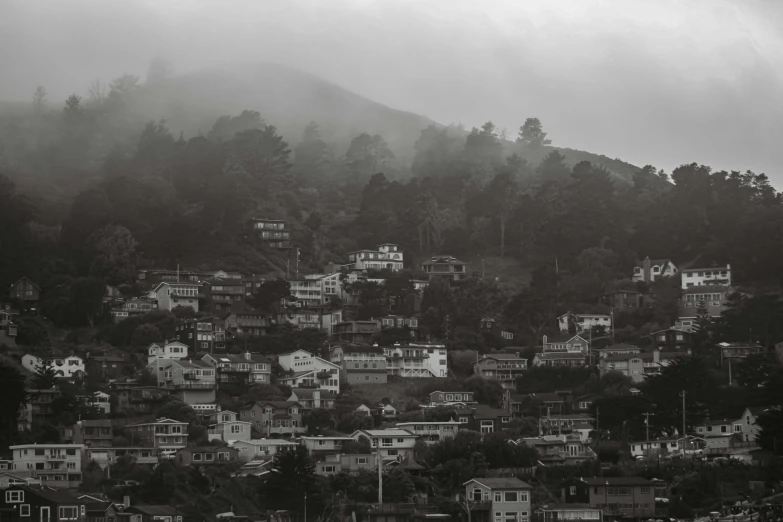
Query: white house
(99,400)
(172,295)
(225,425)
(717,275)
(655,447)
(261,449)
(71,366)
(585,322)
(307,370)
(387,257)
(395,443)
(649,270)
(55,465)
(167,350)
(417,360)
(325,444)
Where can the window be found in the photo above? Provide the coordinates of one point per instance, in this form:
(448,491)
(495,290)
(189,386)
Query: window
(68,513)
(236,428)
(71,465)
(738,427)
(14,496)
(209,457)
(645,489)
(572,490)
(523,496)
(361,460)
(510,496)
(24,510)
(83,509)
(511,516)
(498,516)
(392,452)
(723,429)
(196,456)
(498,497)
(327,469)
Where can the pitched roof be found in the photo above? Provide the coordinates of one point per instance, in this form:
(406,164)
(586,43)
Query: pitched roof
(277,404)
(294,375)
(29,281)
(560,355)
(562,338)
(499,356)
(360,348)
(482,411)
(617,481)
(240,358)
(308,393)
(155,510)
(501,483)
(618,346)
(59,496)
(707,289)
(390,432)
(644,356)
(712,269)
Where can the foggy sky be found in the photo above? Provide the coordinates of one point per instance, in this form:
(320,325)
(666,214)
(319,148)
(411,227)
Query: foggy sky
(663,82)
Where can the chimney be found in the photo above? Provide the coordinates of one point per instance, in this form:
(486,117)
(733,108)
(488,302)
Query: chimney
(126,501)
(247,356)
(646,270)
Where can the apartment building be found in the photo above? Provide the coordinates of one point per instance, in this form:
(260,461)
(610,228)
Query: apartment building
(308,292)
(273,232)
(261,449)
(356,332)
(719,275)
(225,425)
(432,432)
(361,363)
(417,360)
(55,465)
(307,370)
(395,444)
(172,295)
(388,256)
(247,368)
(283,418)
(92,433)
(194,382)
(505,368)
(165,434)
(244,321)
(499,499)
(204,334)
(311,398)
(626,497)
(168,350)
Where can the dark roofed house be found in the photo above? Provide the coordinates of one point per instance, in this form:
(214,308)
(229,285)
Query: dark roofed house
(156,513)
(626,497)
(27,292)
(206,455)
(505,368)
(41,504)
(483,418)
(275,417)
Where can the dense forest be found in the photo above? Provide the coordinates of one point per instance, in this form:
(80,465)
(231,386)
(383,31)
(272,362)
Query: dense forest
(89,192)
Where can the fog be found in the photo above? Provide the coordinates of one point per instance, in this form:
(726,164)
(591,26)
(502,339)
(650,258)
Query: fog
(662,81)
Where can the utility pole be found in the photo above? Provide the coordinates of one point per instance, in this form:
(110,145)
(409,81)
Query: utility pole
(380,470)
(305,507)
(647,416)
(683,412)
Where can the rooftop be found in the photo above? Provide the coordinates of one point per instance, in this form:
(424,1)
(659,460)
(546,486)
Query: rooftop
(617,481)
(501,483)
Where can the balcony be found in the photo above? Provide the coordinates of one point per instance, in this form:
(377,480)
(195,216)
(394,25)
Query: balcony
(233,369)
(191,386)
(56,456)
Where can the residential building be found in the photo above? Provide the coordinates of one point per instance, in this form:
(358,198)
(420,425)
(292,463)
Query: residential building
(648,270)
(273,232)
(721,434)
(356,332)
(566,343)
(104,456)
(351,463)
(193,382)
(140,399)
(558,402)
(8,328)
(483,418)
(447,267)
(360,363)
(55,465)
(584,323)
(584,403)
(395,444)
(253,284)
(98,400)
(398,321)
(307,292)
(320,317)
(636,366)
(307,370)
(38,410)
(261,449)
(153,513)
(618,349)
(447,398)
(505,368)
(494,327)
(153,276)
(556,449)
(567,512)
(311,398)
(417,360)
(719,275)
(121,309)
(41,503)
(557,359)
(163,433)
(432,432)
(243,321)
(626,497)
(7,480)
(387,257)
(672,340)
(247,368)
(92,433)
(99,509)
(656,448)
(172,295)
(224,425)
(168,350)
(27,292)
(106,367)
(712,299)
(623,295)
(325,444)
(734,351)
(221,293)
(499,499)
(206,455)
(579,424)
(68,367)
(275,418)
(204,334)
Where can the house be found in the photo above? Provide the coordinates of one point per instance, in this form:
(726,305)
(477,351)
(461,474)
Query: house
(398,321)
(224,425)
(672,340)
(55,465)
(275,418)
(307,370)
(719,275)
(363,409)
(567,423)
(39,409)
(623,295)
(503,367)
(221,293)
(618,497)
(447,267)
(355,332)
(492,326)
(554,402)
(498,499)
(560,512)
(93,433)
(721,434)
(709,299)
(560,449)
(202,334)
(387,411)
(395,444)
(27,292)
(98,400)
(388,256)
(656,448)
(167,350)
(584,323)
(311,398)
(192,381)
(417,360)
(618,349)
(307,292)
(153,276)
(361,363)
(253,284)
(139,399)
(351,463)
(68,367)
(122,309)
(273,232)
(320,317)
(648,270)
(247,368)
(325,444)
(483,418)
(749,419)
(636,366)
(7,480)
(206,455)
(244,321)
(153,513)
(8,328)
(254,449)
(104,456)
(432,432)
(441,398)
(558,359)
(566,343)
(172,295)
(584,403)
(733,351)
(106,367)
(100,510)
(166,434)
(41,504)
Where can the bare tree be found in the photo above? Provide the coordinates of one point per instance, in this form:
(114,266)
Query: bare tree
(97,92)
(39,98)
(503,133)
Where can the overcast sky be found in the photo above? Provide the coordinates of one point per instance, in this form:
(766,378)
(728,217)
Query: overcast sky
(648,81)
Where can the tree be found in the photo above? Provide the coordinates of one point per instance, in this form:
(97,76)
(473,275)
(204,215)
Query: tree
(292,476)
(262,154)
(397,486)
(532,133)
(503,194)
(310,154)
(114,254)
(85,301)
(483,145)
(45,376)
(226,127)
(159,71)
(13,398)
(269,295)
(146,334)
(317,419)
(39,98)
(366,155)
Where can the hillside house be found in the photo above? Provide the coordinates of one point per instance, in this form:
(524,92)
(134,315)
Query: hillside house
(566,512)
(623,295)
(447,398)
(261,449)
(565,343)
(311,398)
(41,503)
(39,409)
(712,298)
(351,463)
(244,321)
(206,455)
(417,360)
(55,465)
(388,256)
(8,328)
(398,321)
(648,270)
(567,423)
(499,499)
(307,292)
(152,513)
(734,351)
(204,334)
(163,433)
(238,369)
(715,276)
(355,332)
(618,497)
(505,368)
(27,292)
(106,455)
(555,449)
(636,366)
(108,364)
(304,370)
(483,418)
(140,399)
(272,232)
(168,350)
(319,317)
(221,293)
(325,444)
(617,349)
(283,418)
(172,295)
(395,444)
(92,433)
(656,448)
(447,267)
(133,307)
(225,425)
(193,382)
(361,363)
(432,432)
(67,367)
(672,340)
(560,359)
(721,434)
(584,323)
